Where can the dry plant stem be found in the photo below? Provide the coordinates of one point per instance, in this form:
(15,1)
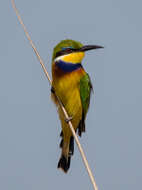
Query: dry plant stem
(60,103)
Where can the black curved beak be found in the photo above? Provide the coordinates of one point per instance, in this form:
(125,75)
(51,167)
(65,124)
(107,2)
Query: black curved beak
(89,47)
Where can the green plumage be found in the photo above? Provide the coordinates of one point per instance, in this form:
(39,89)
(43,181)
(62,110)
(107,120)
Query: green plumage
(85,92)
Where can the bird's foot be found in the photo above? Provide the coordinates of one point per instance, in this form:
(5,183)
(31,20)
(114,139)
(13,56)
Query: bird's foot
(67,120)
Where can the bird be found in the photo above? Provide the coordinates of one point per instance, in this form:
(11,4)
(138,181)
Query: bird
(72,85)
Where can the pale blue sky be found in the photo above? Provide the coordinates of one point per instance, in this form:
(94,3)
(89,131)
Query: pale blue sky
(29,126)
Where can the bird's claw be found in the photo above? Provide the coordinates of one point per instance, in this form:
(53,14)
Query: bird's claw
(67,120)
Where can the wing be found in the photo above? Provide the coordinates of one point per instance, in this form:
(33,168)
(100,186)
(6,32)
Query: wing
(85,92)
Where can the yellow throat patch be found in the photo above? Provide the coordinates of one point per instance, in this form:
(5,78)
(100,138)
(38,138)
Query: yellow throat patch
(73,57)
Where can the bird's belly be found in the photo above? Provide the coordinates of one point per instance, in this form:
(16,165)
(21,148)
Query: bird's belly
(68,92)
(67,89)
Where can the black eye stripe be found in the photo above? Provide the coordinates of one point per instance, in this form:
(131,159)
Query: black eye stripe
(65,51)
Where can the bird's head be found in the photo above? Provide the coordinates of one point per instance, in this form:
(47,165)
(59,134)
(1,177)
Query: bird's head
(71,51)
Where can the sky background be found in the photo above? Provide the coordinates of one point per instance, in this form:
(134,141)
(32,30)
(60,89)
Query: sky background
(29,125)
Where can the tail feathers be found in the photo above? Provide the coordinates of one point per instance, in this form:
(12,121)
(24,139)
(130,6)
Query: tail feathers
(64,163)
(71,146)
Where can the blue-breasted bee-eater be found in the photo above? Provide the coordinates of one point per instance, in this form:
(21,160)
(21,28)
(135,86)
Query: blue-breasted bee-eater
(73,87)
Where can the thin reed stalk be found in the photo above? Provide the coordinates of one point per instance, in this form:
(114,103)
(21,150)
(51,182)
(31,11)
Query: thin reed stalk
(60,103)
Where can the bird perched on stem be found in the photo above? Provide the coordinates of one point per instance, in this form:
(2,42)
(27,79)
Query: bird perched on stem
(72,85)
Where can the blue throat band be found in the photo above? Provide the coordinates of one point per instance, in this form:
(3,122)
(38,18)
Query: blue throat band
(67,67)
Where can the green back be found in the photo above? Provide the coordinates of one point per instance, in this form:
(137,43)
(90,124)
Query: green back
(85,92)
